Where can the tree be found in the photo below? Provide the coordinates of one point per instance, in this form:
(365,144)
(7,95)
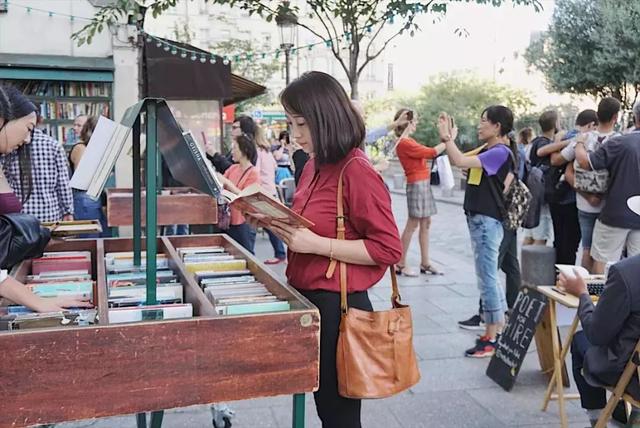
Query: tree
(258,69)
(356,31)
(591,48)
(464,97)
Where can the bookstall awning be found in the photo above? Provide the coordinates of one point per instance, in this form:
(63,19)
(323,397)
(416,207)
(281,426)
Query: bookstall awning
(173,77)
(243,89)
(56,67)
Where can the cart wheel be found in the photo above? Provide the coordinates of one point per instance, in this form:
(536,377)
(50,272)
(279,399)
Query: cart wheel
(227,423)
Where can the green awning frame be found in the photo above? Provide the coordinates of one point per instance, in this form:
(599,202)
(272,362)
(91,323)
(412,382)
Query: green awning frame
(56,67)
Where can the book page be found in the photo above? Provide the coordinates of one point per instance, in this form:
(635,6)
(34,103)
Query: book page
(93,154)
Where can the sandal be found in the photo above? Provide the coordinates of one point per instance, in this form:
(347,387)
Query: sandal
(402,270)
(429,269)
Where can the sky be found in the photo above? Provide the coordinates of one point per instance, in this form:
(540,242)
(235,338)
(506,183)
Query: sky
(494,35)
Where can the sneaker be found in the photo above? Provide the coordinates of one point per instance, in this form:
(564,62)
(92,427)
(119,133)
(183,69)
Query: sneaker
(484,348)
(473,323)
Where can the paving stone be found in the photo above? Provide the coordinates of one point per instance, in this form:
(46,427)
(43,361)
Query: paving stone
(522,406)
(444,409)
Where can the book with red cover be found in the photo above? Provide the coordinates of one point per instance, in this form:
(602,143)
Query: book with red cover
(63,261)
(254,201)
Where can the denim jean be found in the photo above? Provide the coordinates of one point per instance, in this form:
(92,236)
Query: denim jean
(85,208)
(486,236)
(278,246)
(241,233)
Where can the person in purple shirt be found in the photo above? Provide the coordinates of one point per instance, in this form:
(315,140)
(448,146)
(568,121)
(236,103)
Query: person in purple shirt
(491,171)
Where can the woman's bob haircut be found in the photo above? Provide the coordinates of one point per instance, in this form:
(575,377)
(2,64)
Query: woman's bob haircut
(335,125)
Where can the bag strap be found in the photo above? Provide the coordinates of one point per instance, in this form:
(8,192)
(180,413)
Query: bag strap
(494,186)
(340,234)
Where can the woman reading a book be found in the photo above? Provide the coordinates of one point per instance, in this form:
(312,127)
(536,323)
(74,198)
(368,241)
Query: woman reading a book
(237,177)
(325,124)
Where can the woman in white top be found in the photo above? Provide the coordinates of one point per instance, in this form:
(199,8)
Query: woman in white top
(267,166)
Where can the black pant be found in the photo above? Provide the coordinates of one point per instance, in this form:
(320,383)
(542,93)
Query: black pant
(509,264)
(333,410)
(591,397)
(566,231)
(594,397)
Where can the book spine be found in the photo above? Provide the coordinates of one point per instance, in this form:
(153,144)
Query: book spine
(197,155)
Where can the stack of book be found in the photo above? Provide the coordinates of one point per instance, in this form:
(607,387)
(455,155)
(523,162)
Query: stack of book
(127,290)
(55,274)
(227,282)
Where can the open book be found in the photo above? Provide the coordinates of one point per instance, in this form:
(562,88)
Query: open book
(254,201)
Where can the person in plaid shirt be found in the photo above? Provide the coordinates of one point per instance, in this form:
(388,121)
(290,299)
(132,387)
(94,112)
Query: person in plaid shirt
(50,198)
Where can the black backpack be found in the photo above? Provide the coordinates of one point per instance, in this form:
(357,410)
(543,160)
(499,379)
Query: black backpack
(555,189)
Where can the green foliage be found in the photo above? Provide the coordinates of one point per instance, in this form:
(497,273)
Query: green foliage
(258,69)
(464,97)
(361,21)
(591,47)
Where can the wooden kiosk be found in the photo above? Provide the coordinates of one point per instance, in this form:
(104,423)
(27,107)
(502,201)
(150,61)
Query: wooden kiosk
(72,373)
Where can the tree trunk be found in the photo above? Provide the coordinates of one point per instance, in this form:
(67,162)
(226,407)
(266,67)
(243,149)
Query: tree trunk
(353,81)
(354,76)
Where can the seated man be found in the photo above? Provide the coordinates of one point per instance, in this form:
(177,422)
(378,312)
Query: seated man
(610,332)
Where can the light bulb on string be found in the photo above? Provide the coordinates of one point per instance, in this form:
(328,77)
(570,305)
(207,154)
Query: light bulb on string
(183,54)
(193,57)
(212,60)
(50,14)
(149,38)
(167,48)
(158,44)
(203,59)
(225,61)
(28,10)
(174,51)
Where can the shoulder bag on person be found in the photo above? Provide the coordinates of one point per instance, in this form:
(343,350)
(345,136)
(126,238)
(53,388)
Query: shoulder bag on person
(375,356)
(514,203)
(593,181)
(21,237)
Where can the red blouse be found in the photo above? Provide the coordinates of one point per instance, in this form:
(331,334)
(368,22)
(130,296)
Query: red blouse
(367,206)
(9,203)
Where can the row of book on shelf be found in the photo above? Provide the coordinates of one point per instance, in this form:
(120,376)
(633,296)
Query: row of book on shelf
(225,279)
(50,88)
(56,110)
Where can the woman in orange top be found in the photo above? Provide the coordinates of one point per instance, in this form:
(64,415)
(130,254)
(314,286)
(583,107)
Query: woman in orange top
(236,178)
(413,157)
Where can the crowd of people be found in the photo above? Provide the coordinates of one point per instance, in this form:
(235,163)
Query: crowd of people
(591,190)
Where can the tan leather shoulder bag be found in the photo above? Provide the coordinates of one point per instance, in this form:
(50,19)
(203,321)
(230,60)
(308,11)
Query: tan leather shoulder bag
(375,355)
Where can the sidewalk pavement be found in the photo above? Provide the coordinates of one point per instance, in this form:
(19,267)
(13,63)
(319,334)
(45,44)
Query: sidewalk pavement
(453,197)
(453,392)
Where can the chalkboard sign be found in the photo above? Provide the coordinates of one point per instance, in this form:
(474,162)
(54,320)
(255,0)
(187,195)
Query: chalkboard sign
(516,337)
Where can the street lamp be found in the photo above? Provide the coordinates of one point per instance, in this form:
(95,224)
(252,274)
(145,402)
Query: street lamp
(287,22)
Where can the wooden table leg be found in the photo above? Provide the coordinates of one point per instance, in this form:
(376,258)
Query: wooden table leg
(298,411)
(565,349)
(558,367)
